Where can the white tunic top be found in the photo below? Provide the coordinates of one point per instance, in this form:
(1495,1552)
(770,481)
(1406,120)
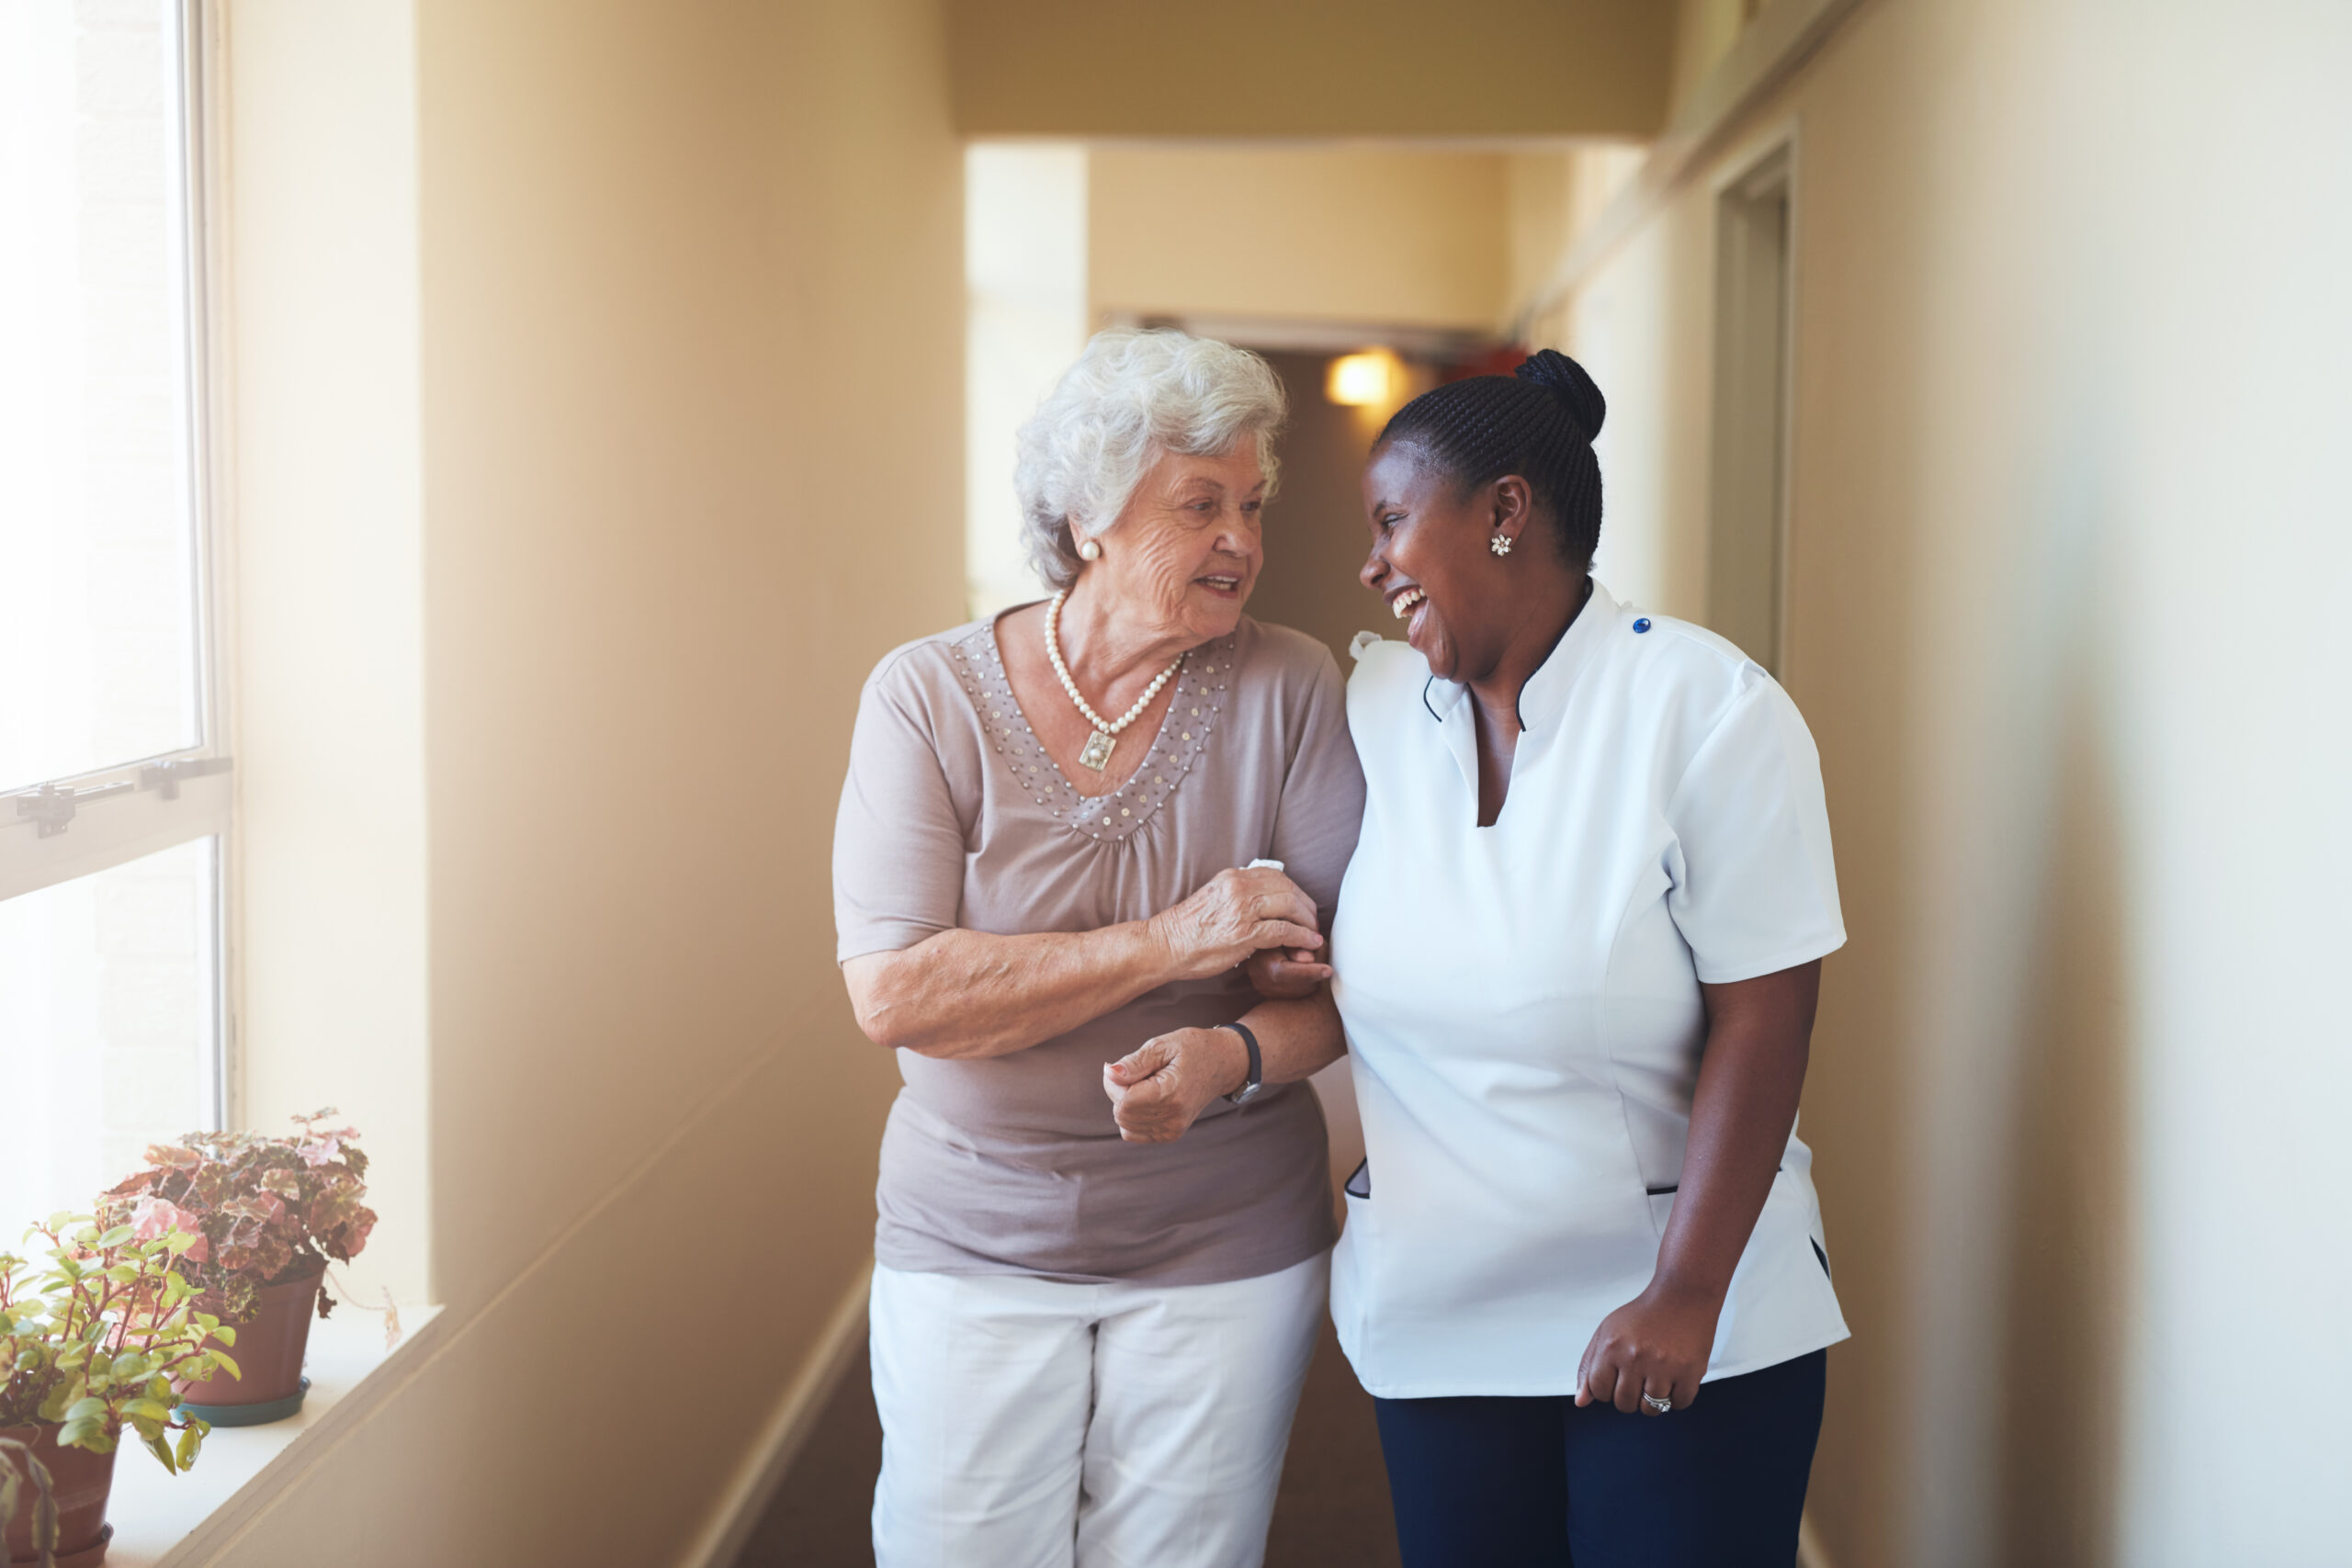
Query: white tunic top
(1522,1001)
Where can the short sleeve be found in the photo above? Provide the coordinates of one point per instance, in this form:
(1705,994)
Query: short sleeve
(1321,810)
(898,843)
(1755,886)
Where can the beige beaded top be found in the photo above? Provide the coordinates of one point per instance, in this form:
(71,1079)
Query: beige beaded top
(954,816)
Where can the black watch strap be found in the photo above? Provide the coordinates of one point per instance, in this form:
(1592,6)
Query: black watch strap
(1256,1081)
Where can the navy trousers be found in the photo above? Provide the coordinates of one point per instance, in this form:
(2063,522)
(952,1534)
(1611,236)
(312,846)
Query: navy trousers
(1539,1483)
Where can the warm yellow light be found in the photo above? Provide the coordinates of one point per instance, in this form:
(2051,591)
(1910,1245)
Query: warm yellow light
(1364,381)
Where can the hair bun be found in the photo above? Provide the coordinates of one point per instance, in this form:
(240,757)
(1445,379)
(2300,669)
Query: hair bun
(1548,367)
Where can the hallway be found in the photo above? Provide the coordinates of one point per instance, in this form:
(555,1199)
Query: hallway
(505,438)
(1333,1511)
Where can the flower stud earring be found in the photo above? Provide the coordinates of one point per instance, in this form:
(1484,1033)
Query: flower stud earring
(1089,550)
(1500,543)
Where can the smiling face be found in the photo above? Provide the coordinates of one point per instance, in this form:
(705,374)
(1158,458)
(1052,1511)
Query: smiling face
(1181,560)
(1431,561)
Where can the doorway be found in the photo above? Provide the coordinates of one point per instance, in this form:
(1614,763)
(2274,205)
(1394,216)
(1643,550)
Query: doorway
(1747,532)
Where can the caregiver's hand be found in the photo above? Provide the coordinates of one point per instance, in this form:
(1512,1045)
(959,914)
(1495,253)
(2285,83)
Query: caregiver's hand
(1286,973)
(1233,915)
(1656,1344)
(1159,1089)
(1750,1077)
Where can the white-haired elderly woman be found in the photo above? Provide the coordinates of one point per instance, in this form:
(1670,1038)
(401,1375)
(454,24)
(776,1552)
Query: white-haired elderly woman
(1088,1336)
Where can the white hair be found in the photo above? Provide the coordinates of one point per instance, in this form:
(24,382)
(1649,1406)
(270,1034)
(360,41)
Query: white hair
(1131,396)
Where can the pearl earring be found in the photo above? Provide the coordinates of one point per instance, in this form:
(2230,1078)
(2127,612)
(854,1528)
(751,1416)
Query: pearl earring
(1089,550)
(1500,543)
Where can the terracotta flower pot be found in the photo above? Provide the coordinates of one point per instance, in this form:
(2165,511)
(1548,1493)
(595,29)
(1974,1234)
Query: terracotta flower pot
(83,1481)
(268,1350)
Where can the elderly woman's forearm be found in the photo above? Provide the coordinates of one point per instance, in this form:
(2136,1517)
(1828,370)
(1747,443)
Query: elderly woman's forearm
(961,995)
(1159,1090)
(968,994)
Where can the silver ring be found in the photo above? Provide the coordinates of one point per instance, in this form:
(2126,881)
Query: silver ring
(1657,1406)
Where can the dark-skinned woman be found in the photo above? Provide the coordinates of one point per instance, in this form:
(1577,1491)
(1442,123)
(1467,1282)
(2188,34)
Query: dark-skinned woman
(1577,951)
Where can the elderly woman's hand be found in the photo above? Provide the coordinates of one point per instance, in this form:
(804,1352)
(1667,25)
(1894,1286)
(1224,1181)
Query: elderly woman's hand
(1162,1087)
(1236,914)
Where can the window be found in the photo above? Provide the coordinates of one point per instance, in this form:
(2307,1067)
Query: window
(113,786)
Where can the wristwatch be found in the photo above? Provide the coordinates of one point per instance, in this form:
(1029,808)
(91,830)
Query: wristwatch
(1255,1084)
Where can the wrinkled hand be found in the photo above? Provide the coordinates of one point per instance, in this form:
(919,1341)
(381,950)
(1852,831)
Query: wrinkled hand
(1238,913)
(1656,1344)
(1286,973)
(1162,1087)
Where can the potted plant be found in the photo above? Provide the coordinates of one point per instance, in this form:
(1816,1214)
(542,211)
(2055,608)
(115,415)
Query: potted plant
(92,1347)
(269,1214)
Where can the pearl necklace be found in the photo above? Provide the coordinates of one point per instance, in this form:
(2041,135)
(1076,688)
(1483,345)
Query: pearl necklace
(1096,752)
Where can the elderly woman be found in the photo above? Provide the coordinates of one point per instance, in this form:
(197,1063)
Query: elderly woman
(1088,1336)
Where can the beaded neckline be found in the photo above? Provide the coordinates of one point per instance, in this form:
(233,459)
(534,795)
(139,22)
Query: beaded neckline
(1183,734)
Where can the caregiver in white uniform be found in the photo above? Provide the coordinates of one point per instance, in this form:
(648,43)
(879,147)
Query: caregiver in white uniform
(1577,953)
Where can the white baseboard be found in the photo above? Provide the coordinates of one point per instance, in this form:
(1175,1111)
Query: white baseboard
(786,1432)
(1810,1552)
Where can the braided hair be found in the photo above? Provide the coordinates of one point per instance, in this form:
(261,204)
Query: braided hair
(1537,423)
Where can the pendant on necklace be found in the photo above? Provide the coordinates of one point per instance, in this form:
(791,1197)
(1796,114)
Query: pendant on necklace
(1096,752)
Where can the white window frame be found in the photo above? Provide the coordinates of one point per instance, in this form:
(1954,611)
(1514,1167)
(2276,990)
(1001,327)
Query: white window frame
(65,829)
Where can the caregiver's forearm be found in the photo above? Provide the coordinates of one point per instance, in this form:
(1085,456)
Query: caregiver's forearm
(1295,1039)
(1760,1034)
(967,994)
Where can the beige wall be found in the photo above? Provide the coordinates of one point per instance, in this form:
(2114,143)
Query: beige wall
(1311,68)
(1551,195)
(2065,546)
(1704,31)
(317,185)
(688,394)
(1360,234)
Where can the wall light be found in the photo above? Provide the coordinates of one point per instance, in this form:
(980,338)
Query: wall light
(1370,380)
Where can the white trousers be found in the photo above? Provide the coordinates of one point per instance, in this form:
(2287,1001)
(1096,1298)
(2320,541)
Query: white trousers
(1027,1424)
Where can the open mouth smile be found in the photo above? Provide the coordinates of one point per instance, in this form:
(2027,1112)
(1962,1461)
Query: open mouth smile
(1220,583)
(1410,605)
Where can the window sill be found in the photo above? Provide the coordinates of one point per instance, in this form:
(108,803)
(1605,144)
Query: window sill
(162,1519)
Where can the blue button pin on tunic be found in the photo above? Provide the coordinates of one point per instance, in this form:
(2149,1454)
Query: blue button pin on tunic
(1642,624)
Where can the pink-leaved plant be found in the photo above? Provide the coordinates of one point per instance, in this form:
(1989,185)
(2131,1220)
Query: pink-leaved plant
(263,1208)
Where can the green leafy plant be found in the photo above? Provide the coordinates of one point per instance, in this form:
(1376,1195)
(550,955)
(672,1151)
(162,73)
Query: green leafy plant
(12,1481)
(263,1208)
(93,1343)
